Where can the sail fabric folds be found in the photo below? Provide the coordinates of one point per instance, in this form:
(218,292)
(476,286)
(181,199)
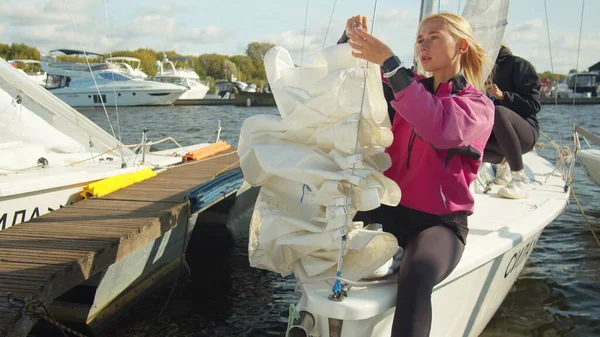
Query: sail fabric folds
(316,168)
(488,19)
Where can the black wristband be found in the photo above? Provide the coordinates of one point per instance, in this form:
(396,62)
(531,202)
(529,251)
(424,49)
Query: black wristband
(344,38)
(391,63)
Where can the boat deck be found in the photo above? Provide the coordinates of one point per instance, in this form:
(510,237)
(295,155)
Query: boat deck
(47,256)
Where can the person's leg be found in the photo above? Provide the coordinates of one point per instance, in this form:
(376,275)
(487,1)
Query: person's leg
(492,153)
(511,137)
(514,136)
(429,257)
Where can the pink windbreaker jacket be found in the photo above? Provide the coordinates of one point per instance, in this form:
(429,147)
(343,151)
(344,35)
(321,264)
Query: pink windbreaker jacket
(439,139)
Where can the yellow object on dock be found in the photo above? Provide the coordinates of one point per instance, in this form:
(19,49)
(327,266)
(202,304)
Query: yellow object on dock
(106,186)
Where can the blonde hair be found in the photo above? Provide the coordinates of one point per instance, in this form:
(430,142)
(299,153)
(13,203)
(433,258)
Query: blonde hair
(475,61)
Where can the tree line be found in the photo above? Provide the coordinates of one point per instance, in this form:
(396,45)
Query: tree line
(211,67)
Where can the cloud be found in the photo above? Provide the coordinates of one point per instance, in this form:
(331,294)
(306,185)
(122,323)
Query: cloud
(205,35)
(529,40)
(28,13)
(564,51)
(47,26)
(393,15)
(293,40)
(149,25)
(528,25)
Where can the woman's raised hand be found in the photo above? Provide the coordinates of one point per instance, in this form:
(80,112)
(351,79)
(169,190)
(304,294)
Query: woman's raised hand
(365,45)
(357,21)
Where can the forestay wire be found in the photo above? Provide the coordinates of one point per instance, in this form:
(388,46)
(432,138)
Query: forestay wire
(91,72)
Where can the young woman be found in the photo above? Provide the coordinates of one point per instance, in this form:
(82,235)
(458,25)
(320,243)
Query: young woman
(516,92)
(441,124)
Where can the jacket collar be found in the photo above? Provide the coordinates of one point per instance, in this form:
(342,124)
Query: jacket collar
(452,87)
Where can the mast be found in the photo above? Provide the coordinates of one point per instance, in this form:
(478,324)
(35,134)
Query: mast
(428,7)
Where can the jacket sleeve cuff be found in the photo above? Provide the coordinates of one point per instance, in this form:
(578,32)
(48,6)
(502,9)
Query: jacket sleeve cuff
(344,38)
(401,79)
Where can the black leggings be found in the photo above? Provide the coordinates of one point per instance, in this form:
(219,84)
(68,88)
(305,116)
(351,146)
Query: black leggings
(428,259)
(511,137)
(432,249)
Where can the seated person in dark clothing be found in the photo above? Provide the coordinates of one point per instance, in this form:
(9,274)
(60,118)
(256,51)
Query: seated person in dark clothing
(516,92)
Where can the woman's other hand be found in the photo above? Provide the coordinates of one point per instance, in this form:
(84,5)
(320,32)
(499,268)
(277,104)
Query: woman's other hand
(494,91)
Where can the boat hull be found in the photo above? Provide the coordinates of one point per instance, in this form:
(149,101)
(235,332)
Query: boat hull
(462,307)
(90,98)
(16,209)
(502,235)
(196,92)
(590,160)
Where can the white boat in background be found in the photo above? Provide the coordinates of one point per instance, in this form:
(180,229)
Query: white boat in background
(589,157)
(185,76)
(52,65)
(109,83)
(578,85)
(133,69)
(316,170)
(50,151)
(111,88)
(37,75)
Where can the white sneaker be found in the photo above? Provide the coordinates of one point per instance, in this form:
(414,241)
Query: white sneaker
(502,174)
(517,188)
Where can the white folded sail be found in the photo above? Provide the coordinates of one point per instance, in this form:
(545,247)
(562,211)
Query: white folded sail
(314,175)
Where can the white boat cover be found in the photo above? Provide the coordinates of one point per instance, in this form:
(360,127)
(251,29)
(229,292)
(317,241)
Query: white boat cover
(314,175)
(34,123)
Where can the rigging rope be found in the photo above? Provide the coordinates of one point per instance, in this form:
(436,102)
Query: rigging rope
(338,290)
(329,25)
(90,68)
(578,49)
(552,70)
(304,36)
(113,79)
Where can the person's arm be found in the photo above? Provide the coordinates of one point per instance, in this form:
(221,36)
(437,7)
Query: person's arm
(525,99)
(445,122)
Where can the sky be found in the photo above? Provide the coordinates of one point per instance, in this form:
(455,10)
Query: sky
(194,27)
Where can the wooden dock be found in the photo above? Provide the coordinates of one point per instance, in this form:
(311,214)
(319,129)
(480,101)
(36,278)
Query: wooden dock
(47,256)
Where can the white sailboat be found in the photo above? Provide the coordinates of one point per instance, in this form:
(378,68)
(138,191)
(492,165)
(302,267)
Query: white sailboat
(313,180)
(50,151)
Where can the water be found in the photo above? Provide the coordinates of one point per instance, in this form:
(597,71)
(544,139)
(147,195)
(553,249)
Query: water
(557,293)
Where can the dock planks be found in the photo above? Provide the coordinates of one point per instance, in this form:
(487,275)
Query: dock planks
(49,255)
